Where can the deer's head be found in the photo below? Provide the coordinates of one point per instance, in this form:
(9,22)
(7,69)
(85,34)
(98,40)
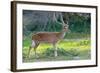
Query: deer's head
(65,27)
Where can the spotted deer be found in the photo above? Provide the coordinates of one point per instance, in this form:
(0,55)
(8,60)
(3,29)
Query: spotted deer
(47,37)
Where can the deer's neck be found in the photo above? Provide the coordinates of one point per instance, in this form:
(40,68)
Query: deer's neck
(62,34)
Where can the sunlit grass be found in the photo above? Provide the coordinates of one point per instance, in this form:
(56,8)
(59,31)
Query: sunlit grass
(67,50)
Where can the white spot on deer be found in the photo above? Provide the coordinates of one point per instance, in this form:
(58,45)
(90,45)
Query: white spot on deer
(33,44)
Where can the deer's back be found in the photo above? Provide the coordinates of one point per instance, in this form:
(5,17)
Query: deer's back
(46,36)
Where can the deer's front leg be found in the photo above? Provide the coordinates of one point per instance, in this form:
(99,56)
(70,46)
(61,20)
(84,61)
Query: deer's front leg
(55,50)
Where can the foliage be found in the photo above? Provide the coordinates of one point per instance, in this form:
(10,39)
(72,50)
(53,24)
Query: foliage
(80,23)
(35,21)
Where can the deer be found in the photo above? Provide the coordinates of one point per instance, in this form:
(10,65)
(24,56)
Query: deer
(48,37)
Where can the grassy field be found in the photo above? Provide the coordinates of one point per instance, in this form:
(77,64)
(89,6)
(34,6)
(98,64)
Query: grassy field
(68,49)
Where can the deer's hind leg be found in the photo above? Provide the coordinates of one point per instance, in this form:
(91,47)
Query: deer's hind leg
(36,45)
(29,51)
(33,44)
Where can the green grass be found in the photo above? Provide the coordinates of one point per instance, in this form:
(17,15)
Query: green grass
(72,49)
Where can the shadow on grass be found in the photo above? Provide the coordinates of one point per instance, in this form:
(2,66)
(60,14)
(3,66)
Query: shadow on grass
(48,55)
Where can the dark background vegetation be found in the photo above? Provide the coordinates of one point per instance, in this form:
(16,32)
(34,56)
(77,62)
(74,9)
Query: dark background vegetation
(34,21)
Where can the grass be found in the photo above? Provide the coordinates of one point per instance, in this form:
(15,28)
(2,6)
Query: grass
(72,49)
